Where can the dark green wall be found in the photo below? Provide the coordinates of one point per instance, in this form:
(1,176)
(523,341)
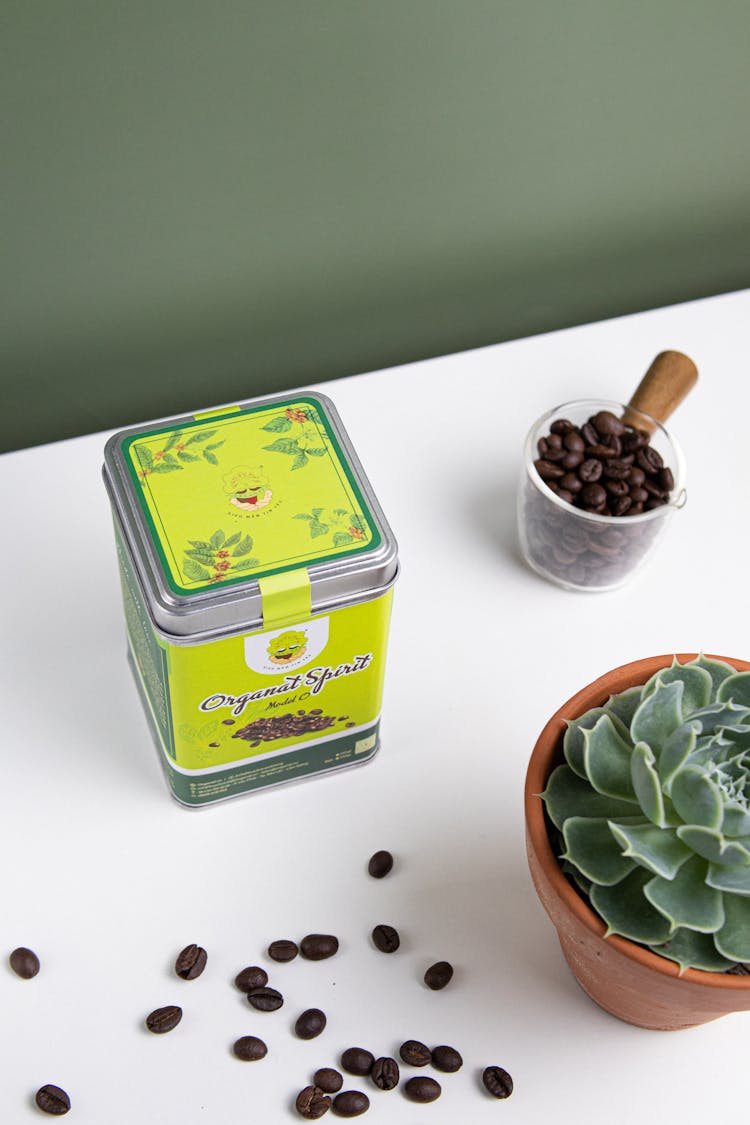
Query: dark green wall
(209,200)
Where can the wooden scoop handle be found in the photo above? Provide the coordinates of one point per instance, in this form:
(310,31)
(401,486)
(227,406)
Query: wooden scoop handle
(662,388)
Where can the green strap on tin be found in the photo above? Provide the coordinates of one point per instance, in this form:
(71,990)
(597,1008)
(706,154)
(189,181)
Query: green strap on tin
(285,598)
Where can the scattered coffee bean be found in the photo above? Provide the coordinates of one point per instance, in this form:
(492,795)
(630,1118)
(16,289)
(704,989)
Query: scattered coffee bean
(497,1082)
(380,864)
(414,1053)
(249,1048)
(316,947)
(385,1073)
(228,722)
(438,975)
(164,1019)
(53,1100)
(251,977)
(265,999)
(310,1024)
(312,1103)
(284,726)
(446,1059)
(191,962)
(385,938)
(283,950)
(357,1060)
(24,962)
(350,1103)
(422,1089)
(328,1080)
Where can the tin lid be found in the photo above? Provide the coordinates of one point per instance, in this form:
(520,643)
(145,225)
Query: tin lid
(248,514)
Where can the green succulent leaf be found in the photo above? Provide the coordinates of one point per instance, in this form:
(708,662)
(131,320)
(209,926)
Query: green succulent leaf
(720,715)
(696,797)
(718,670)
(624,705)
(594,850)
(736,820)
(606,758)
(626,911)
(736,688)
(692,950)
(583,884)
(734,880)
(646,783)
(567,795)
(733,939)
(573,739)
(714,846)
(657,849)
(677,749)
(658,715)
(686,900)
(698,686)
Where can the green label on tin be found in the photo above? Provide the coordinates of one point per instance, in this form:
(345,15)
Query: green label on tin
(247,493)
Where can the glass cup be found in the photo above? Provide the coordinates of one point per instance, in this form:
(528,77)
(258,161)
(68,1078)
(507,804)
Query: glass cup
(581,550)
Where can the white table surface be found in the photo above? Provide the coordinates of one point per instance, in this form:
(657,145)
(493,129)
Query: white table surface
(107,878)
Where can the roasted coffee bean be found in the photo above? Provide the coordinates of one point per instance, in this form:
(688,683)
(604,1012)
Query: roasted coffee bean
(665,480)
(542,447)
(357,1060)
(51,1099)
(249,1048)
(191,962)
(554,441)
(284,726)
(573,442)
(350,1103)
(310,1024)
(590,470)
(497,1082)
(635,477)
(652,488)
(385,1073)
(385,938)
(328,1080)
(649,459)
(283,950)
(601,549)
(414,1053)
(446,1059)
(316,947)
(617,487)
(571,461)
(251,977)
(571,482)
(438,975)
(608,423)
(593,496)
(380,863)
(638,495)
(654,502)
(615,469)
(589,434)
(620,505)
(603,452)
(548,470)
(565,495)
(228,722)
(562,556)
(164,1019)
(265,999)
(312,1103)
(24,962)
(422,1089)
(561,426)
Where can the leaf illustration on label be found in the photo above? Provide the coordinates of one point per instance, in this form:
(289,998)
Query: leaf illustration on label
(317,528)
(278,425)
(284,445)
(246,564)
(300,460)
(204,435)
(302,516)
(342,537)
(316,513)
(211,457)
(195,571)
(214,445)
(171,440)
(145,456)
(205,557)
(166,467)
(230,542)
(316,451)
(217,539)
(243,547)
(187,732)
(201,544)
(356,521)
(340,512)
(208,729)
(185,456)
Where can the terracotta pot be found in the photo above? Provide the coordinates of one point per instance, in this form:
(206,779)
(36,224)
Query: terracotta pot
(625,979)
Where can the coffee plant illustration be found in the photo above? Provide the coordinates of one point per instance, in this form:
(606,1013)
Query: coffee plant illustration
(218,558)
(652,807)
(176,451)
(304,438)
(347,526)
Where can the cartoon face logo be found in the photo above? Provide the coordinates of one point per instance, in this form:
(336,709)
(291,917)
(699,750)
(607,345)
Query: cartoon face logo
(287,647)
(247,488)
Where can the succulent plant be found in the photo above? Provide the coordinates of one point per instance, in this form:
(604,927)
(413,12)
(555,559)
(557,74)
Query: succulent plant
(653,806)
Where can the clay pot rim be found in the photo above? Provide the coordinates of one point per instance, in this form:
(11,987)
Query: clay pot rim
(547,747)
